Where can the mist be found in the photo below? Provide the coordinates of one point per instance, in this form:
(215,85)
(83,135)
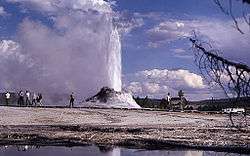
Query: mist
(79,52)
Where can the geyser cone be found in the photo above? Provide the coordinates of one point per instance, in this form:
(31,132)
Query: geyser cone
(109,98)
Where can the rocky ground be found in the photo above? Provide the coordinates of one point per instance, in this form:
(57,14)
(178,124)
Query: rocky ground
(121,127)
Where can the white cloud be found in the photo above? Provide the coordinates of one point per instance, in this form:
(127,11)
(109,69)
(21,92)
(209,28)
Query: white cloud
(126,22)
(153,44)
(178,50)
(168,31)
(221,33)
(134,87)
(54,6)
(158,82)
(151,87)
(2,11)
(181,53)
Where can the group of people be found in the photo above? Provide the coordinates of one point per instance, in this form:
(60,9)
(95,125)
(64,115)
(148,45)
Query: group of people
(25,99)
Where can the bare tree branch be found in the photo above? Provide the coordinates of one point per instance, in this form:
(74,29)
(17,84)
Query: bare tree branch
(233,78)
(229,12)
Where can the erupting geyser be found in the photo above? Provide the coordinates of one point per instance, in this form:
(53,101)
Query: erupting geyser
(74,47)
(114,63)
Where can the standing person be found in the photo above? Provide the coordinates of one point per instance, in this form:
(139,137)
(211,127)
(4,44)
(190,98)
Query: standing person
(21,98)
(18,99)
(181,95)
(34,99)
(27,93)
(71,100)
(168,99)
(39,99)
(7,98)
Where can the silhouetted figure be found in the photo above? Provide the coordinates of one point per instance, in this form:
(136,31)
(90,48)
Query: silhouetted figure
(39,99)
(168,98)
(27,94)
(34,99)
(20,100)
(7,98)
(181,95)
(71,100)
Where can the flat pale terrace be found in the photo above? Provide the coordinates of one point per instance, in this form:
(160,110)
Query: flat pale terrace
(137,128)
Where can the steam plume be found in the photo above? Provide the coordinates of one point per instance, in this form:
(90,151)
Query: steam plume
(80,51)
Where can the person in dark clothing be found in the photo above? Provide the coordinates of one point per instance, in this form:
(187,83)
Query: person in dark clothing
(39,99)
(20,98)
(7,98)
(71,100)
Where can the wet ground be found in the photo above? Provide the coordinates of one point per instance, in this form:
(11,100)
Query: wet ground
(126,128)
(101,151)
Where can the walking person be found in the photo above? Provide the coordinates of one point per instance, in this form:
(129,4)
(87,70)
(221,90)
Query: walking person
(27,101)
(34,99)
(71,100)
(7,98)
(39,99)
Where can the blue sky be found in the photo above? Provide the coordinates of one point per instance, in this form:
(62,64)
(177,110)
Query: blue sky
(166,53)
(153,40)
(138,56)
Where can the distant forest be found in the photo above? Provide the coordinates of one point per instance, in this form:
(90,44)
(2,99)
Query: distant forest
(204,105)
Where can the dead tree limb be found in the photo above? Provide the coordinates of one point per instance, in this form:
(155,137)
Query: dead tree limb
(228,10)
(232,77)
